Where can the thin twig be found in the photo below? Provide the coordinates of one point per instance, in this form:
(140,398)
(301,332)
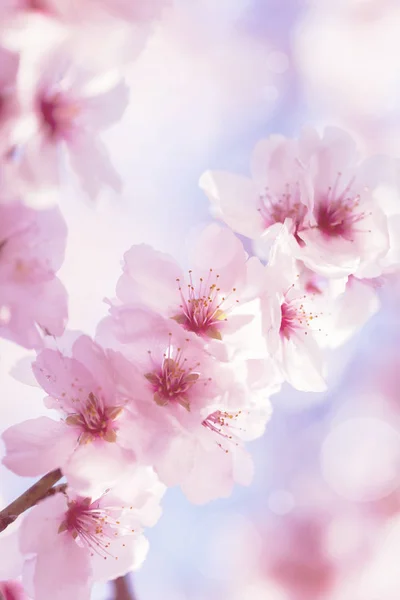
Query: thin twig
(122,589)
(29,498)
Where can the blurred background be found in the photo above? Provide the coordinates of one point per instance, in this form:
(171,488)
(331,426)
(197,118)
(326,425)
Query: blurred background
(322,517)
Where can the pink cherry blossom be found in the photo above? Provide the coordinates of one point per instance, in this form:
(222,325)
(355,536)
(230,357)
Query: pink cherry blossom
(293,321)
(76,541)
(91,443)
(72,106)
(353,308)
(213,300)
(32,299)
(347,228)
(318,187)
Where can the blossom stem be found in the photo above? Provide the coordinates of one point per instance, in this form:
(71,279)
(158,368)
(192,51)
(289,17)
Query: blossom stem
(122,589)
(36,492)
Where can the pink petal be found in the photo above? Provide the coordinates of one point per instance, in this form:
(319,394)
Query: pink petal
(11,557)
(51,310)
(352,310)
(63,571)
(126,553)
(106,108)
(91,163)
(149,277)
(235,200)
(64,378)
(39,528)
(95,466)
(211,476)
(218,248)
(93,357)
(303,363)
(37,446)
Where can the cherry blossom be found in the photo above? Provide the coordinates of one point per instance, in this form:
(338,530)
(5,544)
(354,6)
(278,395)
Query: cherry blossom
(71,541)
(318,187)
(71,107)
(32,300)
(216,299)
(91,443)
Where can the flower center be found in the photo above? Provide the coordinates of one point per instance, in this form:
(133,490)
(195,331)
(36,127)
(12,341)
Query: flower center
(57,115)
(294,318)
(276,208)
(201,308)
(174,381)
(336,214)
(95,420)
(289,322)
(91,525)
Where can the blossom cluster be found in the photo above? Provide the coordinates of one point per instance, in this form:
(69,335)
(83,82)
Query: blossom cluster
(179,374)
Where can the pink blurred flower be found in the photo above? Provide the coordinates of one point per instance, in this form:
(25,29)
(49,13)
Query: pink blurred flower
(213,300)
(91,444)
(70,542)
(12,590)
(72,106)
(32,300)
(317,187)
(299,558)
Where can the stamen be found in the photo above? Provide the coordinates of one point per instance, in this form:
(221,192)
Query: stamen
(276,208)
(174,380)
(223,424)
(203,308)
(295,318)
(336,214)
(58,114)
(92,526)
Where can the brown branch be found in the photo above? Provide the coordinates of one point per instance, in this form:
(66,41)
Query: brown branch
(29,498)
(122,589)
